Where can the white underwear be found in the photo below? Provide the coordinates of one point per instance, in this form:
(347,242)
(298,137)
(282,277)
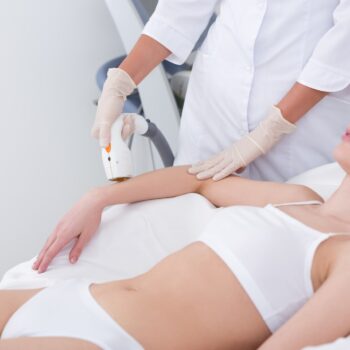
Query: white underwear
(68,309)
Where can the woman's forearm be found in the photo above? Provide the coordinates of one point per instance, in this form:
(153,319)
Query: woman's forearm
(83,219)
(176,181)
(163,183)
(298,101)
(143,58)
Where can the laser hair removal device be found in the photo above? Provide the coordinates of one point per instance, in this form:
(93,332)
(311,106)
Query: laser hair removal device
(117,157)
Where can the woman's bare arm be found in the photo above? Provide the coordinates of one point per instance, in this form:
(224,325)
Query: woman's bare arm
(298,101)
(83,220)
(176,181)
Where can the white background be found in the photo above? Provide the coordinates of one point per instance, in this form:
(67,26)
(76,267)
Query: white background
(50,52)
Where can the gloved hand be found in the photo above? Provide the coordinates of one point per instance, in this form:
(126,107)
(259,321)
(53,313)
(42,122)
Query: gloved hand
(247,149)
(116,88)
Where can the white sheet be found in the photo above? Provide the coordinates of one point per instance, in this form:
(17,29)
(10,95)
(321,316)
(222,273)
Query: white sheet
(324,179)
(130,240)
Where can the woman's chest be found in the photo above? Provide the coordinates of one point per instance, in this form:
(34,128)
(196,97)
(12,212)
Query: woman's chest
(311,217)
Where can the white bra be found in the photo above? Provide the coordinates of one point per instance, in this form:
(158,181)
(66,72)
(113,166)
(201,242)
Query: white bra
(313,202)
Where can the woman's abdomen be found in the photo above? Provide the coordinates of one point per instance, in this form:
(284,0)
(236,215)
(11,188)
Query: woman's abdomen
(190,300)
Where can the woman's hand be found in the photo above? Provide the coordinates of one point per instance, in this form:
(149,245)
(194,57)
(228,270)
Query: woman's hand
(80,223)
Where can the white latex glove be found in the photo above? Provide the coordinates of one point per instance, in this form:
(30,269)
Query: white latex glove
(128,127)
(116,88)
(247,149)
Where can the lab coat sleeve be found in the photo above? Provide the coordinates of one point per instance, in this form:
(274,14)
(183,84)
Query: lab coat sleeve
(178,24)
(328,69)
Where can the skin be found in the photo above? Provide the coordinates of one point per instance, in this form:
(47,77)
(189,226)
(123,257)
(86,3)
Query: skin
(194,295)
(148,51)
(298,101)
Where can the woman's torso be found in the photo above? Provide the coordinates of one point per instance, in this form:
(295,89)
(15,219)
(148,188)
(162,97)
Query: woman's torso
(194,290)
(192,300)
(252,56)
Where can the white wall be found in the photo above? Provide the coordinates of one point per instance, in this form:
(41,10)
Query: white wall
(50,51)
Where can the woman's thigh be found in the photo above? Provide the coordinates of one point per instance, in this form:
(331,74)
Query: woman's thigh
(49,343)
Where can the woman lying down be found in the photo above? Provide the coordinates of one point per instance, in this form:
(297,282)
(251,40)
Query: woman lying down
(261,275)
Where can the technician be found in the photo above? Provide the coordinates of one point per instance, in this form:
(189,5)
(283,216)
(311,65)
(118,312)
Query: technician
(270,86)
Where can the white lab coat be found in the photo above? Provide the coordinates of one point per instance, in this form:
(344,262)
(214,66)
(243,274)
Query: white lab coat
(254,53)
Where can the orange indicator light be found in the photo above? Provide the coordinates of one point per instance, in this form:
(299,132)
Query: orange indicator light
(108,148)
